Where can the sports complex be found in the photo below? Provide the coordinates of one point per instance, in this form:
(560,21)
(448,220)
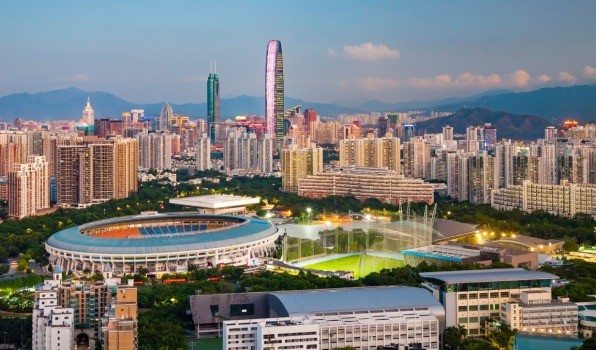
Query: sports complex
(161,243)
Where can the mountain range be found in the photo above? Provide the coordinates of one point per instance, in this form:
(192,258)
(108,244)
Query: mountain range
(552,104)
(509,125)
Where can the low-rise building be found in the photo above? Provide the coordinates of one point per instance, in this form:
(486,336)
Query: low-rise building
(441,254)
(474,296)
(363,183)
(565,199)
(587,318)
(535,312)
(339,318)
(217,204)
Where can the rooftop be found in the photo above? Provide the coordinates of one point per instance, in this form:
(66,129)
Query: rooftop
(293,303)
(448,229)
(444,252)
(72,239)
(492,275)
(215,201)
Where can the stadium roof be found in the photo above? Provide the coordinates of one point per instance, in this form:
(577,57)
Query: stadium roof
(448,229)
(215,201)
(247,231)
(300,302)
(492,275)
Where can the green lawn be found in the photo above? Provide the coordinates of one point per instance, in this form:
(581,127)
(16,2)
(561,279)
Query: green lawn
(361,265)
(206,344)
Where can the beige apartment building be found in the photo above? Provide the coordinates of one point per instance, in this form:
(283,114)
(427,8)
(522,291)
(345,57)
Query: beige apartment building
(28,188)
(385,185)
(298,163)
(565,199)
(371,152)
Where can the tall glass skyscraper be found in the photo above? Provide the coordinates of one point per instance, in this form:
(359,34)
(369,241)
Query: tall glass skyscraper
(274,90)
(213,110)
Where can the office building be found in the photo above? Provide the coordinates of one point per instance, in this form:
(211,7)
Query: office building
(297,163)
(213,104)
(371,152)
(474,296)
(163,121)
(88,117)
(28,188)
(274,90)
(363,183)
(155,150)
(310,116)
(203,153)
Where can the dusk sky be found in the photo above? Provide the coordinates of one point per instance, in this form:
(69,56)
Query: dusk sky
(333,50)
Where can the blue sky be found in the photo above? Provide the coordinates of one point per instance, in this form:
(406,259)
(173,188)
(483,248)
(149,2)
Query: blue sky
(147,51)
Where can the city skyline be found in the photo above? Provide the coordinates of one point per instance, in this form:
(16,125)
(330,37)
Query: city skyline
(338,57)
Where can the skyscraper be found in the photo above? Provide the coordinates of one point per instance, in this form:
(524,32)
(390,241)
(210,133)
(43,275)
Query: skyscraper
(274,90)
(28,188)
(213,105)
(166,114)
(88,114)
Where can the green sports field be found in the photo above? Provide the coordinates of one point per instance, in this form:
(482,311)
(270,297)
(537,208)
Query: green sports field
(361,264)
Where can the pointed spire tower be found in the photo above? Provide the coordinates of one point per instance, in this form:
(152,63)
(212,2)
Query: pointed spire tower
(88,117)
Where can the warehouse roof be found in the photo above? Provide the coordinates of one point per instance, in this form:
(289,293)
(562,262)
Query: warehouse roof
(489,275)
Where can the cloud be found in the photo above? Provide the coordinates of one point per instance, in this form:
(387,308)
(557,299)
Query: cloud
(331,53)
(463,80)
(377,84)
(344,85)
(519,78)
(544,78)
(567,77)
(590,72)
(77,78)
(370,52)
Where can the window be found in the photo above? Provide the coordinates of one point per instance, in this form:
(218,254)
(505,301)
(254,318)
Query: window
(473,308)
(214,310)
(462,320)
(473,296)
(504,294)
(462,308)
(483,307)
(463,297)
(242,309)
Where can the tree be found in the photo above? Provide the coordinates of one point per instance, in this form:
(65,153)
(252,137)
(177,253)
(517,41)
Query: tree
(477,344)
(453,337)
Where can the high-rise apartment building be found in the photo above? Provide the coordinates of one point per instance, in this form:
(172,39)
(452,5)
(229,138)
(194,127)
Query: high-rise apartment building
(416,155)
(97,171)
(248,153)
(371,152)
(298,163)
(120,333)
(213,104)
(203,153)
(53,324)
(28,188)
(310,116)
(448,133)
(155,150)
(13,149)
(274,90)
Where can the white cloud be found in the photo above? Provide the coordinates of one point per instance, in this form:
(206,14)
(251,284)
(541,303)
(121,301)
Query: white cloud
(370,52)
(567,77)
(77,78)
(519,78)
(463,80)
(544,78)
(590,72)
(331,53)
(377,84)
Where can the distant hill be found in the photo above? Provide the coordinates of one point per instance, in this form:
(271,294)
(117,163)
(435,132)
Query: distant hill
(557,103)
(68,104)
(509,125)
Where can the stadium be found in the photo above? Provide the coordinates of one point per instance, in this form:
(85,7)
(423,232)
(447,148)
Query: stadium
(160,243)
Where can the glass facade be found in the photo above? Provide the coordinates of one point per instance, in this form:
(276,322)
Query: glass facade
(213,104)
(274,90)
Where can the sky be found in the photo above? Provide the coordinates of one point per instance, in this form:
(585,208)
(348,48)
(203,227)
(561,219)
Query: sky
(343,51)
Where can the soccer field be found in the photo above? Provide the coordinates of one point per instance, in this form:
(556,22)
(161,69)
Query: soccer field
(361,264)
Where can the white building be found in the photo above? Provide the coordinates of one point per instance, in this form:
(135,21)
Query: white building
(362,318)
(203,152)
(155,150)
(472,297)
(53,325)
(535,312)
(28,188)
